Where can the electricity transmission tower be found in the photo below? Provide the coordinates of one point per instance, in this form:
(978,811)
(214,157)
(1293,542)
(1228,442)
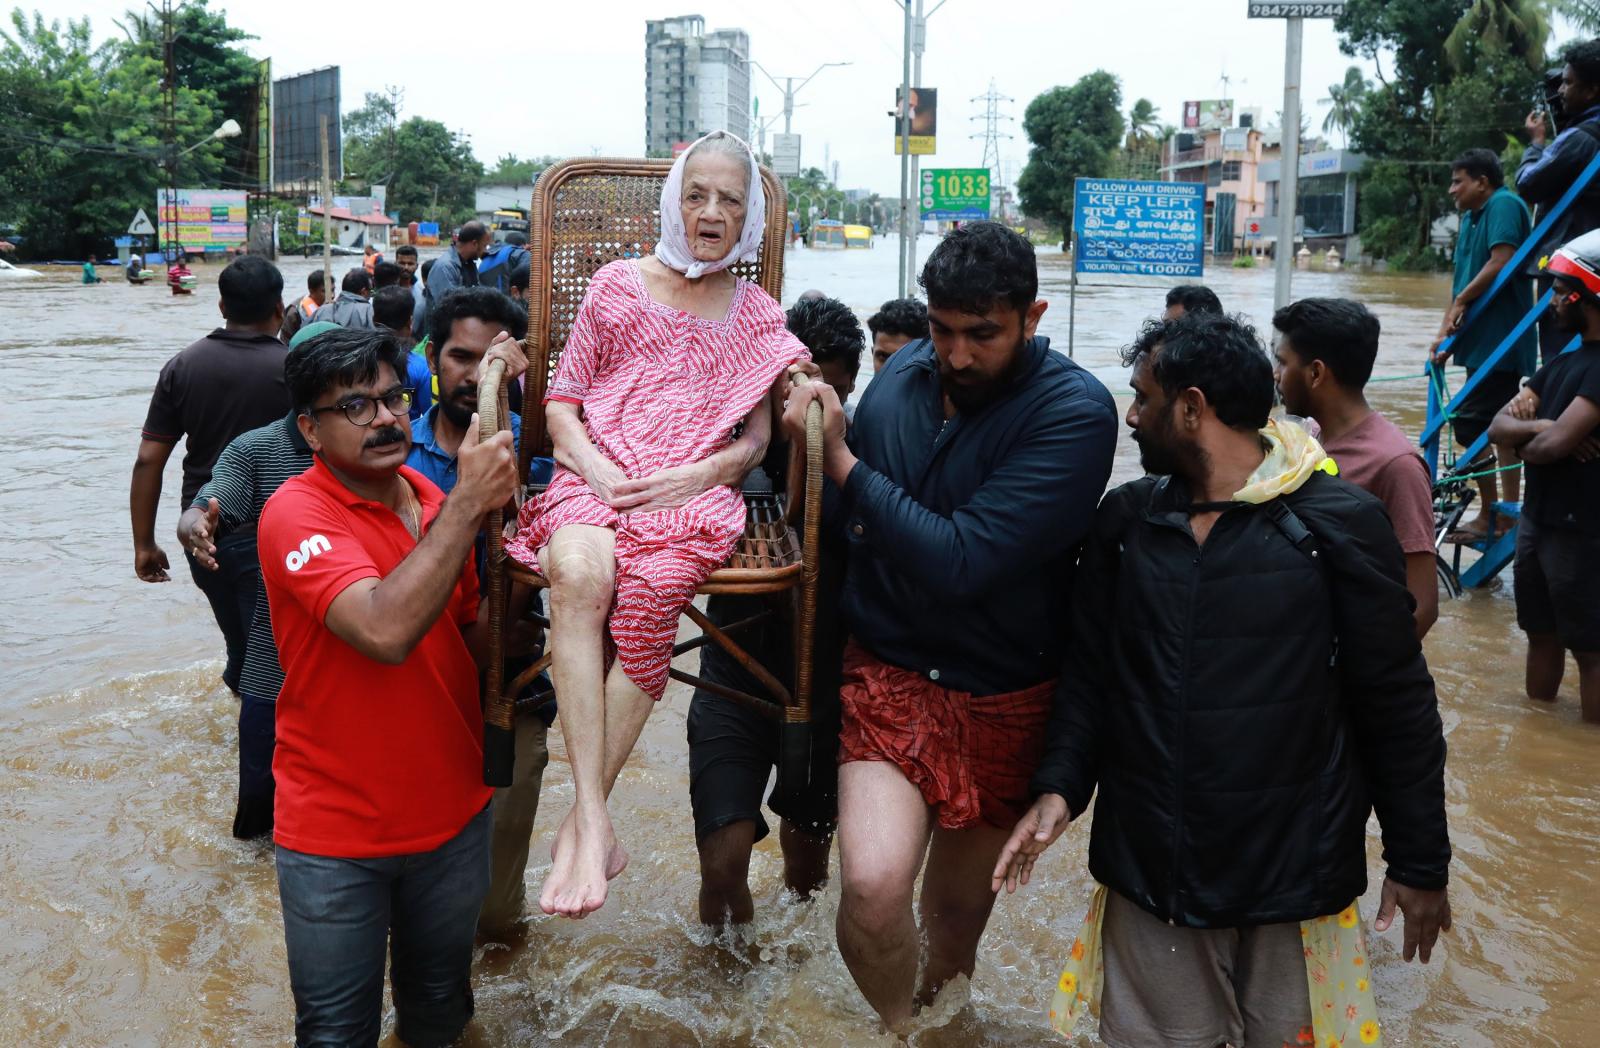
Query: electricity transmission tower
(991,135)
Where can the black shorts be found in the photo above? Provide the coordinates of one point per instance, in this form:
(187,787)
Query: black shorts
(1484,402)
(733,750)
(1554,584)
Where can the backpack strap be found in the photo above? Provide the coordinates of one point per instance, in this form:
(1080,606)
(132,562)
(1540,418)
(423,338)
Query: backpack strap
(1303,539)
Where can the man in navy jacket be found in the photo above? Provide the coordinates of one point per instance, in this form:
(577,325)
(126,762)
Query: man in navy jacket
(965,489)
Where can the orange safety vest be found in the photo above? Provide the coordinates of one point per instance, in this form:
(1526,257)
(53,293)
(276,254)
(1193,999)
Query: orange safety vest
(371,261)
(308,306)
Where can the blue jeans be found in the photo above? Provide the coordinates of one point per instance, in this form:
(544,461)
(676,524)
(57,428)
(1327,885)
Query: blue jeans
(339,916)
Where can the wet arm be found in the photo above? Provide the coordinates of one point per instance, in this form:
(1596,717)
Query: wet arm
(1562,437)
(145,492)
(1422,580)
(384,619)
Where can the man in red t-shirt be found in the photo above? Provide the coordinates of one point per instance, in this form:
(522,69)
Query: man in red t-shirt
(382,823)
(1324,359)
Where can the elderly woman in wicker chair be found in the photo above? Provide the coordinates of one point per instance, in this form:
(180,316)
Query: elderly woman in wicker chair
(662,401)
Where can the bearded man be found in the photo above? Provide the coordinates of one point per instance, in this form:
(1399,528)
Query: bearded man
(966,486)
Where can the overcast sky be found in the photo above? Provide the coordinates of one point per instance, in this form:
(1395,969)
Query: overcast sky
(567,79)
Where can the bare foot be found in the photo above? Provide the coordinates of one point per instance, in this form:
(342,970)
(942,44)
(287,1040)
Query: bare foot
(577,884)
(616,859)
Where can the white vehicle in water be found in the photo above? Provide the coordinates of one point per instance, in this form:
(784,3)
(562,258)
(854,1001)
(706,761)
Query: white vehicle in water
(7,270)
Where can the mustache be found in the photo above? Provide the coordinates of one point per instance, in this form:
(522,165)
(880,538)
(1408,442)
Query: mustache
(467,390)
(384,437)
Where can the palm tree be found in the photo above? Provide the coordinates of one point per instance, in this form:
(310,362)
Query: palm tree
(1345,99)
(1142,123)
(1583,14)
(1519,26)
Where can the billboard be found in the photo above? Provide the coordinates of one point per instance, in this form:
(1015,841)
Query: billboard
(924,121)
(1207,114)
(1146,228)
(786,154)
(958,194)
(298,105)
(207,219)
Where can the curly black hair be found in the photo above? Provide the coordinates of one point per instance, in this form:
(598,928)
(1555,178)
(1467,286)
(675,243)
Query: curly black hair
(979,265)
(1584,58)
(900,316)
(482,303)
(1219,355)
(829,330)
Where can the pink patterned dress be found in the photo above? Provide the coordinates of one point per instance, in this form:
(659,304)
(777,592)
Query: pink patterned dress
(659,388)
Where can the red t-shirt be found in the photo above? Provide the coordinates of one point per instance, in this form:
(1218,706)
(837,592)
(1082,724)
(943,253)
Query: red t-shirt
(1375,455)
(372,759)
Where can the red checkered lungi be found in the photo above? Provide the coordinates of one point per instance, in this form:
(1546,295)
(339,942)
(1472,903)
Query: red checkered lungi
(971,756)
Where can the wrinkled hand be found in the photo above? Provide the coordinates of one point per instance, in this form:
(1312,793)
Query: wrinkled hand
(1426,915)
(602,475)
(506,348)
(663,489)
(1036,831)
(1524,406)
(199,536)
(1536,127)
(486,470)
(150,563)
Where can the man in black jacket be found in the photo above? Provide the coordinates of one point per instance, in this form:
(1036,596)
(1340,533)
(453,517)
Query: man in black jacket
(966,486)
(1243,684)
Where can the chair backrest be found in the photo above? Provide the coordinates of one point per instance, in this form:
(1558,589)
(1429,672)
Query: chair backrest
(588,212)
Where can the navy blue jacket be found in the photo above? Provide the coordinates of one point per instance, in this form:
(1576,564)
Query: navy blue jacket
(1546,172)
(963,535)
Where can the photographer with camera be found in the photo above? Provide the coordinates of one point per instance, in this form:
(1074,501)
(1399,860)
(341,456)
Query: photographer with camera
(1549,168)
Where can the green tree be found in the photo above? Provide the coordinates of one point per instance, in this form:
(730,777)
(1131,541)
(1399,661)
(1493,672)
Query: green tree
(1345,99)
(1425,110)
(206,57)
(81,145)
(436,175)
(1516,27)
(1583,14)
(369,150)
(1075,132)
(512,170)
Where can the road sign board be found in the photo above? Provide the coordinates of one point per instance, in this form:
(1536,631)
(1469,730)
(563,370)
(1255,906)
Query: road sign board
(141,225)
(786,155)
(954,193)
(1148,228)
(1296,8)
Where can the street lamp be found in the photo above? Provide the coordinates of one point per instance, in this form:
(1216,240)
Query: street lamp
(229,129)
(788,88)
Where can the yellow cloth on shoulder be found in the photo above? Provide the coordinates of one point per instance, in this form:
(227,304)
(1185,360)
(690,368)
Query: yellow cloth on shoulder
(1292,456)
(1338,977)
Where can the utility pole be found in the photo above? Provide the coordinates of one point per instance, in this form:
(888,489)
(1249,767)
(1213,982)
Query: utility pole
(397,98)
(905,151)
(789,91)
(919,44)
(327,217)
(1289,183)
(169,105)
(991,136)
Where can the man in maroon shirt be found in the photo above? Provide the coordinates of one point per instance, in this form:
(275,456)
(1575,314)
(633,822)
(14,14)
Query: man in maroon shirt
(1324,360)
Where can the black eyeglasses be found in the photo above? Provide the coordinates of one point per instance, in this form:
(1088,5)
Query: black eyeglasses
(362,410)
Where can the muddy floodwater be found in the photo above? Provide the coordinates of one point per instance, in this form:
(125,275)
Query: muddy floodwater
(129,916)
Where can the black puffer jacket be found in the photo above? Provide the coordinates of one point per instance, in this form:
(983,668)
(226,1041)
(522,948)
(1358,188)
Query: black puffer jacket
(1244,705)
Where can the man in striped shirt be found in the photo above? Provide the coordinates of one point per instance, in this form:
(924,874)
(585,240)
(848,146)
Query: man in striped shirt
(247,472)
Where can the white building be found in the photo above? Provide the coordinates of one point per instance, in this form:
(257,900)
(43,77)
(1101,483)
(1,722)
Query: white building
(694,82)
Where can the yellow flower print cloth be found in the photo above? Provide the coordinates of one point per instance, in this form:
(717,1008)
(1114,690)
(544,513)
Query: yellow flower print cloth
(1343,1011)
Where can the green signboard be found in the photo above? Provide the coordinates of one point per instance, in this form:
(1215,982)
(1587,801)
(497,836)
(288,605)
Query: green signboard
(955,193)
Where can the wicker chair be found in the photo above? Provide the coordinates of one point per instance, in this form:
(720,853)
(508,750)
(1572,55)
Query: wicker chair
(586,213)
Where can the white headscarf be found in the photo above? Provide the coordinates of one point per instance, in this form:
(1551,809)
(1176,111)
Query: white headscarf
(673,247)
